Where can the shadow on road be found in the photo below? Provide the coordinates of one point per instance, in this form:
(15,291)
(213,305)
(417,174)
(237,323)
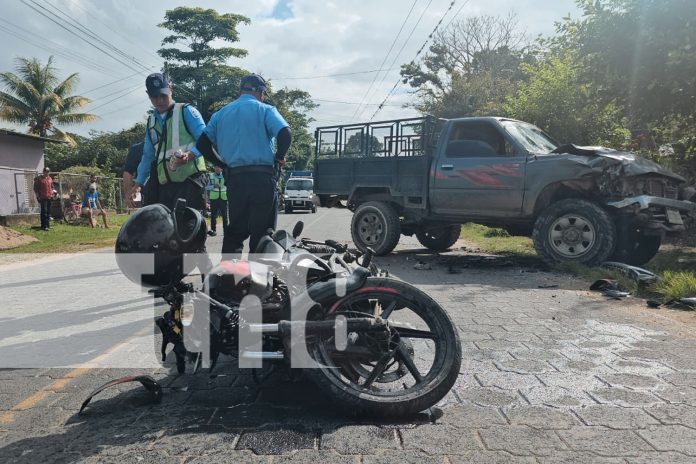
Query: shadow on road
(197,414)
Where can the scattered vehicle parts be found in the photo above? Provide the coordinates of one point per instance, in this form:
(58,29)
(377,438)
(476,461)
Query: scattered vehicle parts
(148,382)
(640,275)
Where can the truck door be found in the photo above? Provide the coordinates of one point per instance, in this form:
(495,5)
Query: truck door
(479,172)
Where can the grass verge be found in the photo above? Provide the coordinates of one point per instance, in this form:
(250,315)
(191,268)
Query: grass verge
(675,265)
(65,238)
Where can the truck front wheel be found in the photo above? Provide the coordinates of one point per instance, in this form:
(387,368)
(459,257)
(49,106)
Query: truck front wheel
(375,225)
(439,239)
(574,230)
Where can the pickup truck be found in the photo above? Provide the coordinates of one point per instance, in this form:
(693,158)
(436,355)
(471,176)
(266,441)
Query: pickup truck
(427,176)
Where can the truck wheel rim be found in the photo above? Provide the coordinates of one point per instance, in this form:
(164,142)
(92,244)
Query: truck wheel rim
(370,228)
(572,236)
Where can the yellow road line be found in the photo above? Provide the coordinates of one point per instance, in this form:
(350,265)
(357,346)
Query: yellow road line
(31,401)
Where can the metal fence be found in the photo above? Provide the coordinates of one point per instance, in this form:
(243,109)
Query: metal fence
(17,191)
(72,187)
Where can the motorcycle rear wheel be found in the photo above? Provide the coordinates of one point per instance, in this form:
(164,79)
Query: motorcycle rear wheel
(388,379)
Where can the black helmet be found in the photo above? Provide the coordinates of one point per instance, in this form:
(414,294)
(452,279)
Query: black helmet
(155,230)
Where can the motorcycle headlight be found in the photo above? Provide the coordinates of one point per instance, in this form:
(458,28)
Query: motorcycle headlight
(286,196)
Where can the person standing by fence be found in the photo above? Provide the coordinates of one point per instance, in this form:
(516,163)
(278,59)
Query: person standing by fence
(217,193)
(43,188)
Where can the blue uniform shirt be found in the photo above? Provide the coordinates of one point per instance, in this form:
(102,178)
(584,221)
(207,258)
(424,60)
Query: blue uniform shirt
(244,132)
(194,123)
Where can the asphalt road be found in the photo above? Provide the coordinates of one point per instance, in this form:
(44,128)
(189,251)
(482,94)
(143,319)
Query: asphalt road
(553,374)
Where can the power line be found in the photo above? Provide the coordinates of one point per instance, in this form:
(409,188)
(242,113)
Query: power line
(90,33)
(350,103)
(420,50)
(391,47)
(122,94)
(329,75)
(48,15)
(139,73)
(105,24)
(53,47)
(413,29)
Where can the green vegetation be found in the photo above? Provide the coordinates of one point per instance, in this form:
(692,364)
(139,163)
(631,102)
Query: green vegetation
(65,238)
(623,74)
(674,265)
(497,241)
(36,97)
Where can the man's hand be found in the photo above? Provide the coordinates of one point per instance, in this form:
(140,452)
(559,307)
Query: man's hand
(184,158)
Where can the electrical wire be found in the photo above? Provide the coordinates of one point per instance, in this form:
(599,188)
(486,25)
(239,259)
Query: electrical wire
(329,75)
(413,29)
(53,47)
(420,50)
(51,17)
(391,47)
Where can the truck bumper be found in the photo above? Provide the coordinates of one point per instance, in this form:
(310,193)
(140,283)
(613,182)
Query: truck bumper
(658,213)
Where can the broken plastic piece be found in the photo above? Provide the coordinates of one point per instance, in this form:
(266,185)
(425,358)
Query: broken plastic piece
(148,382)
(636,273)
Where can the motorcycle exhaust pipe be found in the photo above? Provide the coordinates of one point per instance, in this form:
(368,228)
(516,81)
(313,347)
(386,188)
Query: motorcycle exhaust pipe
(358,324)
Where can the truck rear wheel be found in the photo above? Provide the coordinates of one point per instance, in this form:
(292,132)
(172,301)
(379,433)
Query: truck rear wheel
(574,230)
(439,239)
(375,225)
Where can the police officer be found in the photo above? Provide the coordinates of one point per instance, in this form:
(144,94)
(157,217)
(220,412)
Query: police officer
(169,149)
(217,193)
(244,133)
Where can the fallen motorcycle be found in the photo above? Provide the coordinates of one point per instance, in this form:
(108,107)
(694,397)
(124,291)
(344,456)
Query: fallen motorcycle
(376,345)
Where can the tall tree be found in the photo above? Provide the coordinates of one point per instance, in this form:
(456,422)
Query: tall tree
(293,105)
(471,67)
(640,52)
(37,97)
(198,70)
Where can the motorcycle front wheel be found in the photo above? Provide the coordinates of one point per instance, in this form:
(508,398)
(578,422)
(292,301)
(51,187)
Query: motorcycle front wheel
(400,371)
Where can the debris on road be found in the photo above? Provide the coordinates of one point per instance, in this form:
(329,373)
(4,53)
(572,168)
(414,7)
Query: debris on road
(148,382)
(548,286)
(604,284)
(422,266)
(640,275)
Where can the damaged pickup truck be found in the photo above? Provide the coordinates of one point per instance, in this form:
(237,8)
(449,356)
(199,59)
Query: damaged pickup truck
(427,176)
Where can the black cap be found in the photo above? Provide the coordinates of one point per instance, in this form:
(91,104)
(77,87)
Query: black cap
(253,82)
(157,84)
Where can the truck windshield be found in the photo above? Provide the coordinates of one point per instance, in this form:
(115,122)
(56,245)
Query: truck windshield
(299,184)
(531,137)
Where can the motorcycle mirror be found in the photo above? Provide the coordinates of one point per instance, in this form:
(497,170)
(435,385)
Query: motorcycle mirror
(297,230)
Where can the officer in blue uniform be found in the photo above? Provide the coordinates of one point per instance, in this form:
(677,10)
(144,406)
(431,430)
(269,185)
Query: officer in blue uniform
(251,137)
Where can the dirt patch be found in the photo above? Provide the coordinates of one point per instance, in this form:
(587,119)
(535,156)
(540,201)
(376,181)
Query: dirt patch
(11,238)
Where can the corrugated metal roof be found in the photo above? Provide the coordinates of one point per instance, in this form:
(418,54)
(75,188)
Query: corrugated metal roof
(29,136)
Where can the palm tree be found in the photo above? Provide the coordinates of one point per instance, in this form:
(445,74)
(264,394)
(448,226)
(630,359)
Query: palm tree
(35,96)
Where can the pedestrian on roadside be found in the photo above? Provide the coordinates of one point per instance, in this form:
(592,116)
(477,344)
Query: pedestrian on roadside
(169,153)
(217,194)
(92,180)
(245,132)
(43,188)
(92,207)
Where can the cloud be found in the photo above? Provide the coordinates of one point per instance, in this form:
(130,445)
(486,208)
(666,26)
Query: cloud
(286,38)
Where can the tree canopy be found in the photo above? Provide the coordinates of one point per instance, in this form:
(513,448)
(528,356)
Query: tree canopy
(37,97)
(200,71)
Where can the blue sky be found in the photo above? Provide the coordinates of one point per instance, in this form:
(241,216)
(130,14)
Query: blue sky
(292,42)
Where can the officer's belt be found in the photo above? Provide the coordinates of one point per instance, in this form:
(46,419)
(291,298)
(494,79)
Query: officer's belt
(253,168)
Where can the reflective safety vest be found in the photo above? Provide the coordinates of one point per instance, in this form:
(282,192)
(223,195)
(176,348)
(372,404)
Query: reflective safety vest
(173,137)
(219,189)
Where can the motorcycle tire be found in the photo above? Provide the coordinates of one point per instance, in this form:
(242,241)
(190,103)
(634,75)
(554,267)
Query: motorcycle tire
(395,297)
